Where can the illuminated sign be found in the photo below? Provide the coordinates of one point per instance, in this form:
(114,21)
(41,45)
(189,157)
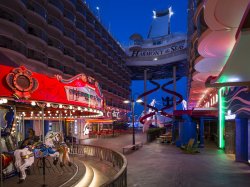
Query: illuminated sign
(149,52)
(85,95)
(230,116)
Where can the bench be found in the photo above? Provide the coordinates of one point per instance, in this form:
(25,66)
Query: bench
(138,145)
(128,147)
(132,147)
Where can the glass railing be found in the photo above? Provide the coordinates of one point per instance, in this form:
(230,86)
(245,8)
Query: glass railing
(81,10)
(38,32)
(90,19)
(55,43)
(13,17)
(80,59)
(69,52)
(69,15)
(90,35)
(70,34)
(58,4)
(55,64)
(37,55)
(80,42)
(56,23)
(98,29)
(69,70)
(73,2)
(34,6)
(13,45)
(80,26)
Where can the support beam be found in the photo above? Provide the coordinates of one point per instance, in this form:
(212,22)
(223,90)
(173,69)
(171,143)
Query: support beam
(145,89)
(174,84)
(43,131)
(201,132)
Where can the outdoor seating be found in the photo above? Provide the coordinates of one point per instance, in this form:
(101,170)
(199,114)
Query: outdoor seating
(136,146)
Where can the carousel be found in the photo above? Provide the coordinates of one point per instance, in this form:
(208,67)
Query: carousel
(38,114)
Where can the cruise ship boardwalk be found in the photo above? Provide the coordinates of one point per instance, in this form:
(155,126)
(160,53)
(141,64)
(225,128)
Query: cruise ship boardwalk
(161,165)
(158,165)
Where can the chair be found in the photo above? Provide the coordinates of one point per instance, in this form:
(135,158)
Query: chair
(190,147)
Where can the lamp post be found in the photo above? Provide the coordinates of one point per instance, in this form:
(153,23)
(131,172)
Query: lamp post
(133,120)
(132,101)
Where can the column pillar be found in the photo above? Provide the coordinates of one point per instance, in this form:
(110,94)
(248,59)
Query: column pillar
(174,84)
(174,104)
(145,97)
(201,132)
(43,130)
(241,139)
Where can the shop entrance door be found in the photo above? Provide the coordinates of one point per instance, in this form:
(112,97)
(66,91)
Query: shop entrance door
(230,137)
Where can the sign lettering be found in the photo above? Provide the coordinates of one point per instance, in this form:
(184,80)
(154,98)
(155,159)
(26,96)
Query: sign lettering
(85,95)
(157,52)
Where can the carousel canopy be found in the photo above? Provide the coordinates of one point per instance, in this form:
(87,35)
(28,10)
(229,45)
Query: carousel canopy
(29,91)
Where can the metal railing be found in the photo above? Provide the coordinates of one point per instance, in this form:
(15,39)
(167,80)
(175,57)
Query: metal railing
(116,159)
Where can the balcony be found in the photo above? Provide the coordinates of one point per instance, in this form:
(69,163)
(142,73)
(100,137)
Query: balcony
(12,44)
(73,2)
(80,43)
(57,4)
(81,10)
(37,55)
(55,43)
(69,15)
(90,20)
(37,32)
(80,26)
(37,8)
(52,63)
(90,51)
(69,52)
(13,17)
(80,59)
(56,23)
(70,34)
(69,70)
(90,35)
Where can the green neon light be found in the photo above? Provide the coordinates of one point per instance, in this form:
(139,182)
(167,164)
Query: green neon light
(221,118)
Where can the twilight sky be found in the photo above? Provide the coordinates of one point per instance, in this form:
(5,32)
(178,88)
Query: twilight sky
(125,17)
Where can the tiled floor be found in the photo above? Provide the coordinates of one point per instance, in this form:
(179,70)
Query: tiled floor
(162,165)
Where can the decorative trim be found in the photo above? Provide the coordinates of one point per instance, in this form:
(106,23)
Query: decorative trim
(20,81)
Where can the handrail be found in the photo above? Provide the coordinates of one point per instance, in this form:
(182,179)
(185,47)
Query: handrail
(117,160)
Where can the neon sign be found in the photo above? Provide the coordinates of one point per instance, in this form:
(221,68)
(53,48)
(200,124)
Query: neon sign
(230,116)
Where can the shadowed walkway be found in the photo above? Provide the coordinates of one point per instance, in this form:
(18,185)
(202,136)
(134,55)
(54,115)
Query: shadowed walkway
(166,165)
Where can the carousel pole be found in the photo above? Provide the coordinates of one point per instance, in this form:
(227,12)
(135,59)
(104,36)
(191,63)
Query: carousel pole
(15,122)
(43,131)
(60,123)
(22,128)
(72,133)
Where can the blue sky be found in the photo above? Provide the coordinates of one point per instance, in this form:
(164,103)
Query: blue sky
(125,17)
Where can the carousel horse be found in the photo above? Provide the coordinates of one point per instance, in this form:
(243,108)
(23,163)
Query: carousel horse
(55,140)
(6,160)
(24,158)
